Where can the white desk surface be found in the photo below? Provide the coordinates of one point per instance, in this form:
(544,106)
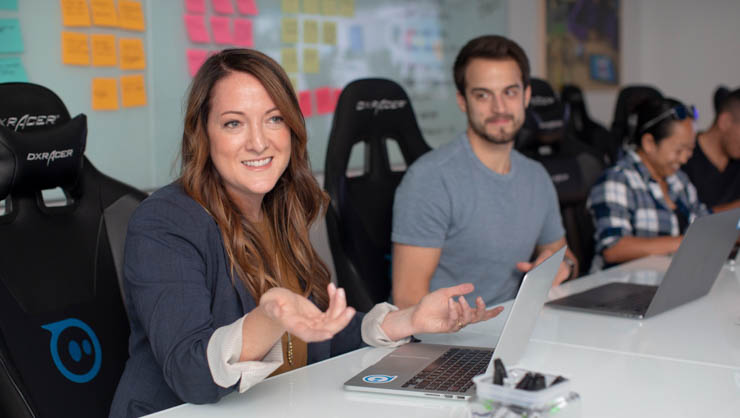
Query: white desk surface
(682,363)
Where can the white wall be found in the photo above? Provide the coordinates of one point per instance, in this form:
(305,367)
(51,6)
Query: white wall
(683,47)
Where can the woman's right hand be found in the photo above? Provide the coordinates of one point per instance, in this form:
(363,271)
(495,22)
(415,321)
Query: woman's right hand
(300,317)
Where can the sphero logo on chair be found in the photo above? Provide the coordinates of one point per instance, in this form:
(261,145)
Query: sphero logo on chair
(75,349)
(378,378)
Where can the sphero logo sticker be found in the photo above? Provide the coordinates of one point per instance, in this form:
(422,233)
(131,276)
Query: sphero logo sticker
(75,349)
(379,378)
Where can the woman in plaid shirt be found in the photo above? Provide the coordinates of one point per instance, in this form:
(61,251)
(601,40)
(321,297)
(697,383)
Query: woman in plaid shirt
(644,203)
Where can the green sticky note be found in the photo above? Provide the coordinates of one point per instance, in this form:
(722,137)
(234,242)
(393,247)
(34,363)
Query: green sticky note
(11,69)
(10,36)
(8,4)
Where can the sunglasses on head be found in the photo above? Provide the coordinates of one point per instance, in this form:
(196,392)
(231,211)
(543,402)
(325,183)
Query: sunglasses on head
(679,112)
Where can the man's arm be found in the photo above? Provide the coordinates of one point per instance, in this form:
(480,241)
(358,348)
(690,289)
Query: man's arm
(727,206)
(565,271)
(413,268)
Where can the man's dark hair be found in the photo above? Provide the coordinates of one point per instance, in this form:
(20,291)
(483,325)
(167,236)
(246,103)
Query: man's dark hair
(489,47)
(727,101)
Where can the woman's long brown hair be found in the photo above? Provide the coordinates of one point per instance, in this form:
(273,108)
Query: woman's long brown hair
(290,207)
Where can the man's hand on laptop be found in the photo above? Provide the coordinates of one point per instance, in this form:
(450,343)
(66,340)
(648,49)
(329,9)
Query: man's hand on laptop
(444,310)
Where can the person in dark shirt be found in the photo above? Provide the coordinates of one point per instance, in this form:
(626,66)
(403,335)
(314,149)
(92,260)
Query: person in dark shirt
(714,168)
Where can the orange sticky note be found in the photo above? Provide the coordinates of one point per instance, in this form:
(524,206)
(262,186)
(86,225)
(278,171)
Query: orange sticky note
(329,7)
(195,25)
(310,60)
(243,34)
(223,7)
(221,27)
(289,60)
(75,13)
(196,58)
(330,33)
(324,100)
(304,101)
(103,50)
(290,30)
(104,94)
(310,31)
(346,8)
(130,15)
(290,6)
(104,13)
(133,90)
(75,50)
(311,7)
(247,7)
(195,6)
(132,54)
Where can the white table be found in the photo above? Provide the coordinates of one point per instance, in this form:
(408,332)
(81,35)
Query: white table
(682,363)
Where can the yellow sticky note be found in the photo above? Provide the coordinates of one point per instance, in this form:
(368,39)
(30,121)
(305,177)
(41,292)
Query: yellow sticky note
(310,31)
(130,15)
(133,90)
(104,13)
(104,94)
(75,50)
(103,50)
(330,33)
(290,30)
(310,60)
(290,6)
(75,13)
(311,7)
(346,8)
(294,82)
(132,54)
(289,59)
(329,7)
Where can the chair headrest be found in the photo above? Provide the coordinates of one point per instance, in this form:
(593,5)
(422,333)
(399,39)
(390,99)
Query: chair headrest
(42,159)
(30,107)
(547,109)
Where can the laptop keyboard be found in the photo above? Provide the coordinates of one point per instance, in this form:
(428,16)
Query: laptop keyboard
(453,371)
(635,302)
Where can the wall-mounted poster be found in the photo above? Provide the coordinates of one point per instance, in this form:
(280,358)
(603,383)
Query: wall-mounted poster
(582,43)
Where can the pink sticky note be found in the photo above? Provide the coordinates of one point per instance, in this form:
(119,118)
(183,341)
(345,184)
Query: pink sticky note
(247,7)
(324,100)
(304,101)
(196,27)
(196,58)
(195,6)
(221,27)
(243,35)
(223,7)
(335,98)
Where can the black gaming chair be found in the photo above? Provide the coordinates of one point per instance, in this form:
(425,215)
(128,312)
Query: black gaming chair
(358,220)
(580,124)
(624,121)
(63,326)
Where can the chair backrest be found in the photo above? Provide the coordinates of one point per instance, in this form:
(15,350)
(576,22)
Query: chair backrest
(63,325)
(359,217)
(625,121)
(580,124)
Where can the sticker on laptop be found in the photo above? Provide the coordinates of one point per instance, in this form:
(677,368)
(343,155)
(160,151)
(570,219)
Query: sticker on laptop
(378,378)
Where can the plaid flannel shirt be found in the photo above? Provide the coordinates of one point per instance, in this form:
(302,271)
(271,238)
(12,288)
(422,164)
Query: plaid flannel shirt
(627,201)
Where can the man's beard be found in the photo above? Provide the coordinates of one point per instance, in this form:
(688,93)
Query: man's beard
(501,137)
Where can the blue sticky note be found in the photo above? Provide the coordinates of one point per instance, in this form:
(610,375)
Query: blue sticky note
(356,41)
(10,36)
(11,69)
(8,4)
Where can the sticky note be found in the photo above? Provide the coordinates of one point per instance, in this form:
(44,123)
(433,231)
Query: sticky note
(195,25)
(290,6)
(103,50)
(8,4)
(311,7)
(104,13)
(221,28)
(310,60)
(10,36)
(335,93)
(196,58)
(356,39)
(290,30)
(104,94)
(324,100)
(11,69)
(310,31)
(195,6)
(289,60)
(223,7)
(130,15)
(74,48)
(243,33)
(329,7)
(294,82)
(304,101)
(75,13)
(132,54)
(330,33)
(133,90)
(346,8)
(247,7)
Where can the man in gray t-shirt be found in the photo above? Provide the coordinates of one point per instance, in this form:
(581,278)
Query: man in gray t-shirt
(475,210)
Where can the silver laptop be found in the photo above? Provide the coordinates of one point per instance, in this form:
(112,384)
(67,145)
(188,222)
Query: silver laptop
(691,274)
(445,371)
